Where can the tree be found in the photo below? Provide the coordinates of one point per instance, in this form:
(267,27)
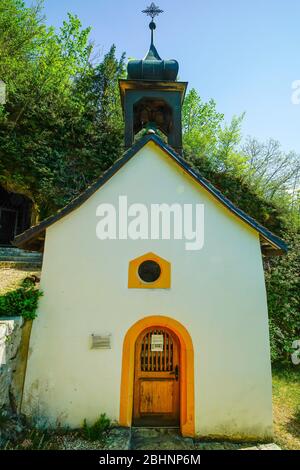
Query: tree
(61,126)
(208,138)
(201,123)
(213,148)
(271,169)
(283,286)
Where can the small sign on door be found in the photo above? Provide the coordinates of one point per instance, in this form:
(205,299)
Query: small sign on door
(157,343)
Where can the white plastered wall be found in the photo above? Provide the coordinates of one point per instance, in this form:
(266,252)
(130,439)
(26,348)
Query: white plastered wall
(217,293)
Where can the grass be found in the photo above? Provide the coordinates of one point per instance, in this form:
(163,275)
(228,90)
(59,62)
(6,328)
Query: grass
(97,430)
(286,406)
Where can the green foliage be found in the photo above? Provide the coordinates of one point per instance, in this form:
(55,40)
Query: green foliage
(22,301)
(207,138)
(256,177)
(62,124)
(201,124)
(97,430)
(268,213)
(283,287)
(286,405)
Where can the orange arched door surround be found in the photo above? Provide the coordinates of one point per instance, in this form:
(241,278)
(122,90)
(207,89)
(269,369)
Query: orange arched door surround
(187,419)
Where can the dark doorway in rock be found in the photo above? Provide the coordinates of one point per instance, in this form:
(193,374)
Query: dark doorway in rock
(15,215)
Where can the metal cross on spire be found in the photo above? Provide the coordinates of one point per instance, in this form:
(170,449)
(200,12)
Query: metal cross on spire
(153,11)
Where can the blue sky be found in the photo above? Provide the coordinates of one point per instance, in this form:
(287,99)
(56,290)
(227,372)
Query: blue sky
(244,54)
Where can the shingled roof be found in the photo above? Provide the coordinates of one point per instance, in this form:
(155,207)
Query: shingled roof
(33,238)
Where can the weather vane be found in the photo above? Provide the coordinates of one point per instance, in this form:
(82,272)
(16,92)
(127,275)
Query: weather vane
(153,11)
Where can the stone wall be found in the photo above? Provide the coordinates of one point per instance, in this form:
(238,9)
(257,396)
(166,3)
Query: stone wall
(14,340)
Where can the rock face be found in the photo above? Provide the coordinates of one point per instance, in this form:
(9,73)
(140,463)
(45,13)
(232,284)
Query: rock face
(12,425)
(10,341)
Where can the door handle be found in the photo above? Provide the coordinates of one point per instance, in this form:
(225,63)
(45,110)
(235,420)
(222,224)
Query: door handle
(175,372)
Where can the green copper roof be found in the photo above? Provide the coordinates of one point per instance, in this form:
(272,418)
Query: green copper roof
(152,67)
(152,53)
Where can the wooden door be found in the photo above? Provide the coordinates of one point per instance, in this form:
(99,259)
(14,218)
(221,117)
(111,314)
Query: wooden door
(156,381)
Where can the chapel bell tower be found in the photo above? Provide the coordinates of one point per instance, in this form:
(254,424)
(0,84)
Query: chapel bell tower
(151,96)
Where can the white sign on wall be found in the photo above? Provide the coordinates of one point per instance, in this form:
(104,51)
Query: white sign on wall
(101,341)
(157,343)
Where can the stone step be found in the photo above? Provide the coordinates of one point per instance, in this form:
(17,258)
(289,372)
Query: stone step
(170,439)
(155,431)
(10,259)
(16,255)
(17,251)
(159,438)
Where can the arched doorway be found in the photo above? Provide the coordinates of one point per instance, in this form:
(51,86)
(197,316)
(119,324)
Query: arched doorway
(186,370)
(156,378)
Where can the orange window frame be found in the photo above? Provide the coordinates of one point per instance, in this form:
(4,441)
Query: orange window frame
(164,280)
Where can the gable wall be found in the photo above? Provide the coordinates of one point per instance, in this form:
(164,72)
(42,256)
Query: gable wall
(217,293)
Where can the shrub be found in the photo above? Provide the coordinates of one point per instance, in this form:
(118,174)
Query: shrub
(97,430)
(22,301)
(283,287)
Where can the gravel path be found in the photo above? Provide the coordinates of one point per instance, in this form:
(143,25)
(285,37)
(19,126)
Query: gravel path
(12,275)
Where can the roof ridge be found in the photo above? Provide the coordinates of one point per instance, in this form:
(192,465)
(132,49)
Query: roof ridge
(33,232)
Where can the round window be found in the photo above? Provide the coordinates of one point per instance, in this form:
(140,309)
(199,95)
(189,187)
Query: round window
(149,271)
